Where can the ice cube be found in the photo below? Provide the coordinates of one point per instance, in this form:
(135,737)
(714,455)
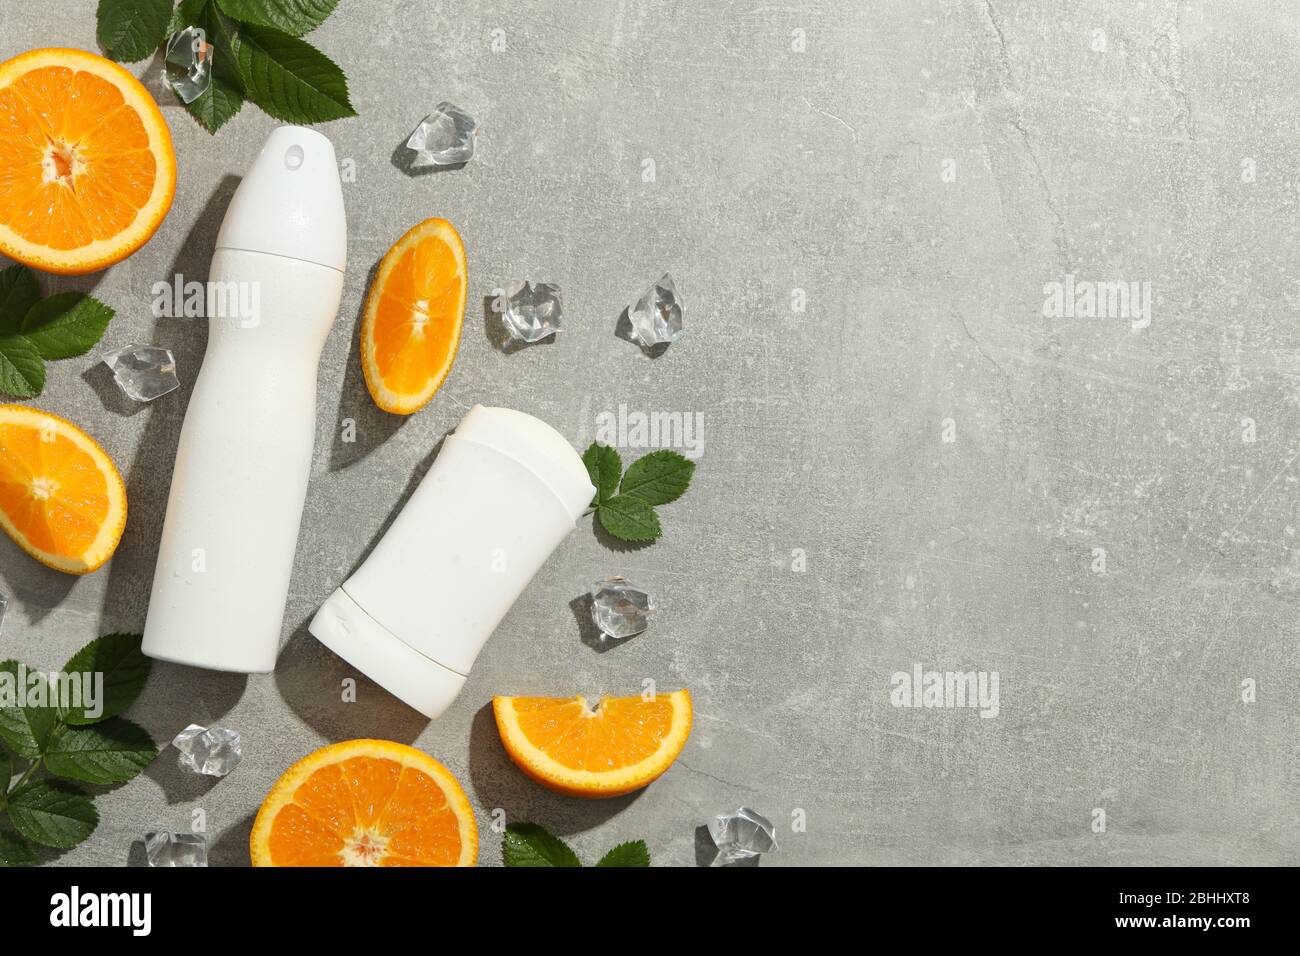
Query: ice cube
(143,372)
(214,751)
(620,608)
(444,138)
(741,835)
(188,62)
(532,310)
(164,848)
(657,316)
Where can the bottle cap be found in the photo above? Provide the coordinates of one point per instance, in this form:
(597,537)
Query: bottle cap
(291,202)
(535,445)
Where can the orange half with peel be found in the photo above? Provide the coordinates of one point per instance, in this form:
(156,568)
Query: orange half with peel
(87,170)
(620,745)
(365,803)
(61,497)
(413,317)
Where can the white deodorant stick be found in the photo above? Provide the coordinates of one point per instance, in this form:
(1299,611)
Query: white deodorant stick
(244,458)
(502,494)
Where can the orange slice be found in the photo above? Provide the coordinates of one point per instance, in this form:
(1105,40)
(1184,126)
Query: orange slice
(365,803)
(413,317)
(87,171)
(61,497)
(619,746)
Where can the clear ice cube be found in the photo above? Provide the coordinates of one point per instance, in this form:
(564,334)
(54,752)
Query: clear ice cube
(741,835)
(143,372)
(188,62)
(214,751)
(657,316)
(444,138)
(532,311)
(620,608)
(164,848)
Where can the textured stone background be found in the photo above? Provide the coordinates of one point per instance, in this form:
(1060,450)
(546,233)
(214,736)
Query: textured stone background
(779,169)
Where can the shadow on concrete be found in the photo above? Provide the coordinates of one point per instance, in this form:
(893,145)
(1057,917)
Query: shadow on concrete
(373,425)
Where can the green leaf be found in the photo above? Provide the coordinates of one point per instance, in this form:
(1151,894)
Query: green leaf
(130,30)
(603,467)
(632,853)
(26,729)
(22,373)
(125,670)
(629,518)
(289,78)
(66,325)
(13,851)
(6,773)
(658,478)
(18,293)
(224,96)
(294,17)
(53,813)
(527,844)
(111,752)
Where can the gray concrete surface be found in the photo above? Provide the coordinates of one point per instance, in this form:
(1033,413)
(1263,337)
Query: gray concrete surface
(918,172)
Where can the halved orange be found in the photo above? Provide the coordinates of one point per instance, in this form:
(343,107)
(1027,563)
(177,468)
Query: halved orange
(61,497)
(87,170)
(414,312)
(365,803)
(620,745)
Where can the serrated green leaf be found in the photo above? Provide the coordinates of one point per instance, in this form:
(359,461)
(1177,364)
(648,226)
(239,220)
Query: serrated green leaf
(130,30)
(22,372)
(658,478)
(25,729)
(294,17)
(603,468)
(289,78)
(13,851)
(53,813)
(528,844)
(18,293)
(629,518)
(632,853)
(224,96)
(125,670)
(111,752)
(66,324)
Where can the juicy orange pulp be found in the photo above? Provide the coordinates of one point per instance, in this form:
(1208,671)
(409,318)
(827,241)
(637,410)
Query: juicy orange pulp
(61,498)
(620,745)
(365,803)
(87,171)
(413,317)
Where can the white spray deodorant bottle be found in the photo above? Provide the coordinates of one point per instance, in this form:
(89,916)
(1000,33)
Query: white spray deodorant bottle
(240,480)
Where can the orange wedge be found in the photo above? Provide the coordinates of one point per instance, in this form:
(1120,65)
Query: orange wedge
(619,746)
(87,171)
(365,803)
(61,497)
(414,312)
